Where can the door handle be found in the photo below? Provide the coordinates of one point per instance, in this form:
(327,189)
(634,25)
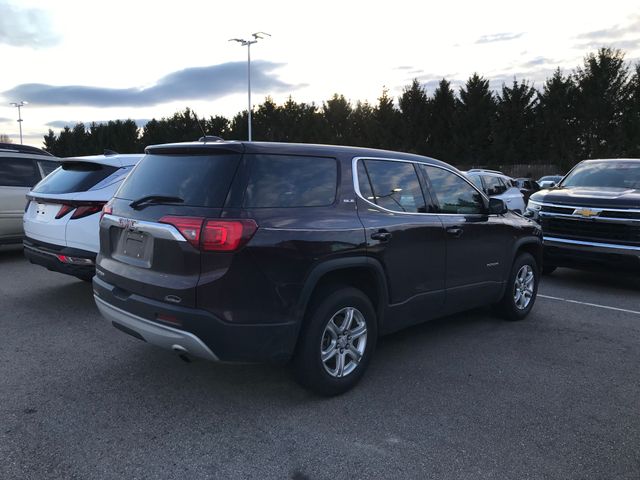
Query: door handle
(455,231)
(381,235)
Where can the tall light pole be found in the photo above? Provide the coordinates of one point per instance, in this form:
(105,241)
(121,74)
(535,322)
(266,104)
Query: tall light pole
(18,105)
(247,43)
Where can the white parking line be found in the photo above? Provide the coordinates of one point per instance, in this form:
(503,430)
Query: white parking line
(590,304)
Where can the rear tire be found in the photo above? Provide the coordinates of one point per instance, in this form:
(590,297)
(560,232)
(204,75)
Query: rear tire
(522,288)
(341,329)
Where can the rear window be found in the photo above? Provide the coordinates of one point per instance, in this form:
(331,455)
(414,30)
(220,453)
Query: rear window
(74,177)
(291,181)
(199,180)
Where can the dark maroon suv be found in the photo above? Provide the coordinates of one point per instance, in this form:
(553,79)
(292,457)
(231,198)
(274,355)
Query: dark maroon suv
(245,252)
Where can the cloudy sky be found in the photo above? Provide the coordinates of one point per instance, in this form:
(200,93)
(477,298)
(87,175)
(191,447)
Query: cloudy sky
(83,60)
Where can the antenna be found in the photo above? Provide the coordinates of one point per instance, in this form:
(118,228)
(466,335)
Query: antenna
(199,124)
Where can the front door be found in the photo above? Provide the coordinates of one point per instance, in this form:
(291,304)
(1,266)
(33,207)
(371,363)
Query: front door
(476,241)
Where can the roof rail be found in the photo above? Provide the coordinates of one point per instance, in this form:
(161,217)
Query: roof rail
(210,138)
(486,170)
(107,152)
(12,147)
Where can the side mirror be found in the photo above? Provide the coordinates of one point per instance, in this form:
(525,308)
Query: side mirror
(497,207)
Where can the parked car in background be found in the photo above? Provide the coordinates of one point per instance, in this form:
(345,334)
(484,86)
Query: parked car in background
(498,185)
(61,219)
(247,252)
(549,181)
(21,167)
(592,218)
(527,186)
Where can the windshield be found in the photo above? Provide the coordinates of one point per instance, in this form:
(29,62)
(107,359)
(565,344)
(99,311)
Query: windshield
(611,174)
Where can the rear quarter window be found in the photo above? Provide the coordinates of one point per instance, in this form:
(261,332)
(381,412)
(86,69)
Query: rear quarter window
(18,172)
(74,177)
(291,181)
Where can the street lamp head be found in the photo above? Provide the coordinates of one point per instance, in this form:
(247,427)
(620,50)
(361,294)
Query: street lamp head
(239,40)
(259,35)
(19,104)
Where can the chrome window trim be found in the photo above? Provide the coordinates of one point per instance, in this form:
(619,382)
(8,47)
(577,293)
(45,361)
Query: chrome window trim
(356,185)
(159,230)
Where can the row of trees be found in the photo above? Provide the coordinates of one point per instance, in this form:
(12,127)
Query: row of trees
(592,112)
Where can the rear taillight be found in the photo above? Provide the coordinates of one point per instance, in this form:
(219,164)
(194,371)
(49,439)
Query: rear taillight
(189,227)
(107,209)
(64,209)
(86,210)
(213,235)
(227,235)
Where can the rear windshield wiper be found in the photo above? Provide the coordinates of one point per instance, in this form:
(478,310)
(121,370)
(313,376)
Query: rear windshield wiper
(149,199)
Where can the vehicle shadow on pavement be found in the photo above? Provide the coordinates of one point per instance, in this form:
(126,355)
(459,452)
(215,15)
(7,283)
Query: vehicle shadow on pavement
(590,279)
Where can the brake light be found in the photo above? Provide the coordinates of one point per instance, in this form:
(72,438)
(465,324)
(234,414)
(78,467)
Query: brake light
(107,209)
(227,235)
(64,209)
(189,227)
(86,210)
(214,235)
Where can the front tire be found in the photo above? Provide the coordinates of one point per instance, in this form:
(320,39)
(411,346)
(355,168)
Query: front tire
(337,342)
(522,288)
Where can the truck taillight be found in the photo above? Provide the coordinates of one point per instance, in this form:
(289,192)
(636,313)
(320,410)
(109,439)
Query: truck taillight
(227,235)
(107,209)
(213,235)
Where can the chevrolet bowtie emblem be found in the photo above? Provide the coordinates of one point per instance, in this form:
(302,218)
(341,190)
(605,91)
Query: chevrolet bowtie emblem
(586,212)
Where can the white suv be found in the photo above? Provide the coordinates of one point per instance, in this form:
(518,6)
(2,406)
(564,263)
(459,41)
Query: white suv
(497,185)
(21,167)
(61,219)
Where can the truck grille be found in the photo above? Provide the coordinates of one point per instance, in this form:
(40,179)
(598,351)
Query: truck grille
(591,230)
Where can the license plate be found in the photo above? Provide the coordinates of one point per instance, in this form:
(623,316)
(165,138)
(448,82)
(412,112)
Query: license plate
(134,244)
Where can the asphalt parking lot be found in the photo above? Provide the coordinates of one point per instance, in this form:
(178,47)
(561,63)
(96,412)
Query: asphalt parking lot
(468,397)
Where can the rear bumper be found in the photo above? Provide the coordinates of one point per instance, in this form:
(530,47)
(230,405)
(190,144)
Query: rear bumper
(583,254)
(72,261)
(160,335)
(197,331)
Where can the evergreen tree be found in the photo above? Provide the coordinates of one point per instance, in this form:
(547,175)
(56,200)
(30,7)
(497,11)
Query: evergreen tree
(50,142)
(442,112)
(600,104)
(473,123)
(414,108)
(386,126)
(632,116)
(514,133)
(362,123)
(556,126)
(337,114)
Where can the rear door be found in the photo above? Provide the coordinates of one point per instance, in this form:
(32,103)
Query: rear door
(17,176)
(150,235)
(476,241)
(404,235)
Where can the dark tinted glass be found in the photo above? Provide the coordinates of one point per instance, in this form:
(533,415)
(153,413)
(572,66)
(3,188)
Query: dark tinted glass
(291,181)
(74,177)
(47,167)
(612,174)
(494,185)
(199,180)
(454,195)
(18,172)
(395,186)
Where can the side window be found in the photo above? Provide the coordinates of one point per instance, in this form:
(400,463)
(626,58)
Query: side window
(495,186)
(18,172)
(453,193)
(46,167)
(477,181)
(363,183)
(395,185)
(291,181)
